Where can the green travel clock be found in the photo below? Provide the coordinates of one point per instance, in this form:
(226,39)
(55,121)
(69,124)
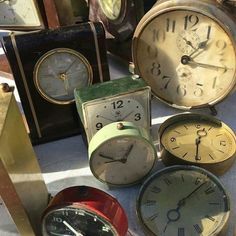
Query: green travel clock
(125,99)
(121,154)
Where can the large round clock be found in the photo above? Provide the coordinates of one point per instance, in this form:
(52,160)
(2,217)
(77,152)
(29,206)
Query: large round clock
(189,52)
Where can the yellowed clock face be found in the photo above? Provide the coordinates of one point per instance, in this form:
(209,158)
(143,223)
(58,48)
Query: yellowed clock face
(111,8)
(189,58)
(198,141)
(19,13)
(183,201)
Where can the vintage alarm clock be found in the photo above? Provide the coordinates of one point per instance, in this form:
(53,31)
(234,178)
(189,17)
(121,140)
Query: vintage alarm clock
(124,99)
(19,171)
(183,200)
(83,210)
(197,139)
(22,15)
(185,50)
(47,65)
(121,154)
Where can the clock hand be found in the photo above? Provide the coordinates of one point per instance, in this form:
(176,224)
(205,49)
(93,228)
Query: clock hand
(106,118)
(106,157)
(70,65)
(189,43)
(201,45)
(172,216)
(186,60)
(197,142)
(72,229)
(65,79)
(125,157)
(127,115)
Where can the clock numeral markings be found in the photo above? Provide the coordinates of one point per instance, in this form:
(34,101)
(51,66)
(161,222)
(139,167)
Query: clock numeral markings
(185,126)
(211,156)
(182,177)
(99,126)
(167,181)
(156,69)
(137,117)
(214,82)
(210,218)
(167,80)
(214,203)
(190,21)
(181,90)
(153,217)
(223,143)
(220,151)
(209,190)
(198,92)
(198,181)
(208,31)
(170,25)
(155,189)
(159,35)
(181,232)
(221,45)
(175,148)
(150,203)
(197,228)
(185,154)
(117,104)
(172,139)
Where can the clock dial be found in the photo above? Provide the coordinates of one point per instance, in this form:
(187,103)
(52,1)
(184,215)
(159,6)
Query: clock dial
(59,72)
(127,107)
(19,13)
(200,142)
(189,57)
(130,156)
(111,8)
(77,221)
(199,205)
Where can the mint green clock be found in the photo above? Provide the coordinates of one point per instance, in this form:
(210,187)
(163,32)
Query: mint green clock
(121,154)
(125,99)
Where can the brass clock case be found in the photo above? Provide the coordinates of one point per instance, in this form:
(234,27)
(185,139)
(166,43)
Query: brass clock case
(183,200)
(197,139)
(76,61)
(189,52)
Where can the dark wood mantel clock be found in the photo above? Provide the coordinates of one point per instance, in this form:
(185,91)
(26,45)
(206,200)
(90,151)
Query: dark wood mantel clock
(47,65)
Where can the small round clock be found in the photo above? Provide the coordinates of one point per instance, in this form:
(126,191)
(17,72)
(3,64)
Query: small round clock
(124,99)
(183,200)
(199,140)
(20,15)
(58,72)
(185,51)
(83,210)
(121,154)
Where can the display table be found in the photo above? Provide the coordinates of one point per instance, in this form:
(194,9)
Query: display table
(64,163)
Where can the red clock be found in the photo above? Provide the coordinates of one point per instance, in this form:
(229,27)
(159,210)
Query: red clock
(83,210)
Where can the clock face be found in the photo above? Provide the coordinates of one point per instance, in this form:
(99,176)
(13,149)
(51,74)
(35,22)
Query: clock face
(132,107)
(19,13)
(189,57)
(111,8)
(75,221)
(199,141)
(122,160)
(59,72)
(199,205)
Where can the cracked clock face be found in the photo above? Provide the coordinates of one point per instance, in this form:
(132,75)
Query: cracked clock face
(127,107)
(199,205)
(19,13)
(174,41)
(58,72)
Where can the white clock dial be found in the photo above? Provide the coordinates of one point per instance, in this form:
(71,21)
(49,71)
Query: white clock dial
(122,161)
(19,13)
(59,72)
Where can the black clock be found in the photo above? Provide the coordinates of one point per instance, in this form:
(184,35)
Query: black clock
(47,65)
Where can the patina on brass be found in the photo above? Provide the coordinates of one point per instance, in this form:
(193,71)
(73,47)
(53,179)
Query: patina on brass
(22,187)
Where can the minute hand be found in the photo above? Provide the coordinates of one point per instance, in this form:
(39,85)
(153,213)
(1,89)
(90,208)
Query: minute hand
(208,66)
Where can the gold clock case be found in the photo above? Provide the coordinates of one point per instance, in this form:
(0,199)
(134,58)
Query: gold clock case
(22,187)
(218,12)
(168,158)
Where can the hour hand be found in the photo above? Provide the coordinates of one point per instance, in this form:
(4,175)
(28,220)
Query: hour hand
(105,156)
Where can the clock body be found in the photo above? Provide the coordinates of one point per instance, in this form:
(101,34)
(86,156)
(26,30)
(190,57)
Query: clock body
(21,15)
(47,66)
(84,210)
(197,139)
(124,99)
(199,206)
(121,154)
(189,52)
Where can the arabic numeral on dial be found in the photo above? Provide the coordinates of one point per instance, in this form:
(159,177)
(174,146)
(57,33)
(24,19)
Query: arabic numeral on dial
(221,45)
(222,143)
(190,21)
(167,80)
(99,125)
(170,25)
(117,104)
(198,92)
(156,69)
(214,83)
(137,117)
(57,219)
(181,90)
(159,35)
